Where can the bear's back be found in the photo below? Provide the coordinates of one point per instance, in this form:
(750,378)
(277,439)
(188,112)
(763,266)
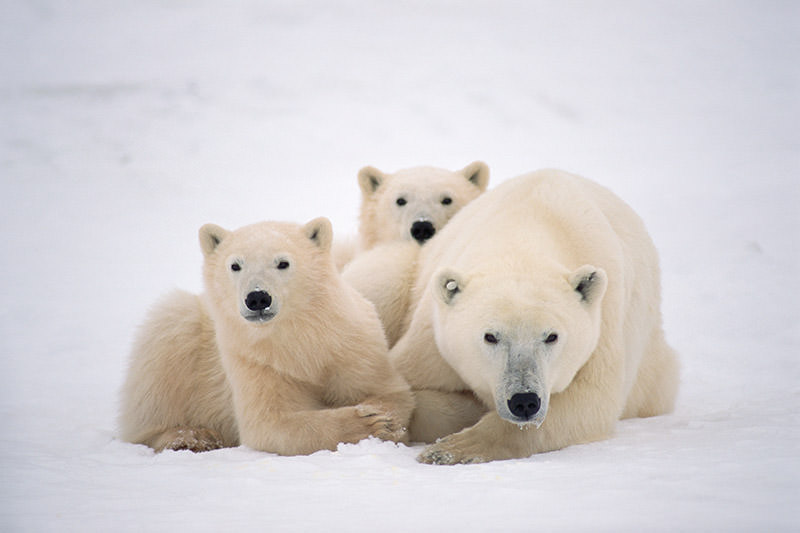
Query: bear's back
(546,211)
(548,218)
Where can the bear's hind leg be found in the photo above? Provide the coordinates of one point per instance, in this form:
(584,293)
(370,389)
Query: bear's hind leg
(656,385)
(187,438)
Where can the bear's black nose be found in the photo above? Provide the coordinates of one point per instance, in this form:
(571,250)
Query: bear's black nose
(525,405)
(258,300)
(422,230)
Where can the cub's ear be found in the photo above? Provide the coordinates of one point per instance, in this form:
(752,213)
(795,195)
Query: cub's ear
(448,285)
(478,174)
(589,282)
(320,232)
(211,236)
(370,179)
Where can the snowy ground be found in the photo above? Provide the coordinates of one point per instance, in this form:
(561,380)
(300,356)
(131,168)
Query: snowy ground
(124,126)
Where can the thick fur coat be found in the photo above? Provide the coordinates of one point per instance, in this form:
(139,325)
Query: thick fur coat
(278,354)
(535,323)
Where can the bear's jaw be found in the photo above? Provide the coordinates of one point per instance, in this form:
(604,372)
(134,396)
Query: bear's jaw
(522,422)
(259,317)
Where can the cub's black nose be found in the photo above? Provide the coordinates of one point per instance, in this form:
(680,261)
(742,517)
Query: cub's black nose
(258,300)
(422,230)
(525,405)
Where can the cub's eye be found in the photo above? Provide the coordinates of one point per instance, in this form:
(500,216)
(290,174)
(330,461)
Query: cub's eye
(401,201)
(236,267)
(490,339)
(447,200)
(283,265)
(551,338)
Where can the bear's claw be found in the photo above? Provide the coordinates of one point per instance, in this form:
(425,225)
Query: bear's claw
(446,452)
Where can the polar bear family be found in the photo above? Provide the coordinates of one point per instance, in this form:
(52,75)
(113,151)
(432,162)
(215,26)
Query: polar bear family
(520,320)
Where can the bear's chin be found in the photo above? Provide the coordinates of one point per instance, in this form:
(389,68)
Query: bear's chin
(523,424)
(259,317)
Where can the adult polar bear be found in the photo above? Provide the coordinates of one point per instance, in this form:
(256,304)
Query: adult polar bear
(537,319)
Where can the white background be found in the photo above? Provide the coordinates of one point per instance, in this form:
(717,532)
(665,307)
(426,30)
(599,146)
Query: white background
(124,126)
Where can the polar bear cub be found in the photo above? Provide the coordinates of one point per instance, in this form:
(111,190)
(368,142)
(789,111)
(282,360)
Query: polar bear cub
(414,203)
(278,354)
(536,323)
(399,213)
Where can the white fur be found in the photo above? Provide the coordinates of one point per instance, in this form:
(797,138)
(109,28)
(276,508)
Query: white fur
(424,189)
(385,259)
(544,254)
(304,373)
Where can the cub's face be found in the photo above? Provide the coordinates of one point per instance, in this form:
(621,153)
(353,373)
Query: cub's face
(516,341)
(414,204)
(259,272)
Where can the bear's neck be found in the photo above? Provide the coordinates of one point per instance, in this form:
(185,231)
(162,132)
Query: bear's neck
(296,345)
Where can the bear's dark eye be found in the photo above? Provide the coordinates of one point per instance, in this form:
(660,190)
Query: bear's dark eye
(551,338)
(283,265)
(447,200)
(490,339)
(236,267)
(401,201)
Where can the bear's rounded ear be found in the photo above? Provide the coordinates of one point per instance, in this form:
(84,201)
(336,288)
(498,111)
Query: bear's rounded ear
(477,173)
(448,284)
(211,236)
(370,179)
(589,282)
(320,232)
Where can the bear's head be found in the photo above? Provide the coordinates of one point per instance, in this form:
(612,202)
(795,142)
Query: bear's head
(259,272)
(517,340)
(413,204)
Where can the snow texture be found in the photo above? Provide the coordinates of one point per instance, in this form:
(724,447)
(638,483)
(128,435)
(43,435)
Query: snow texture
(125,126)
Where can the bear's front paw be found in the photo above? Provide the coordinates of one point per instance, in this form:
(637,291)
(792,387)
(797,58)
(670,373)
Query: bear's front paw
(452,450)
(381,424)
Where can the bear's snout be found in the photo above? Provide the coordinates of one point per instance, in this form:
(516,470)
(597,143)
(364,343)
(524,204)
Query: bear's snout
(422,230)
(524,405)
(258,300)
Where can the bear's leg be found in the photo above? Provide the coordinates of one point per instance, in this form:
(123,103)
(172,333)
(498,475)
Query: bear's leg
(187,438)
(440,413)
(656,384)
(494,438)
(491,439)
(175,379)
(283,416)
(307,431)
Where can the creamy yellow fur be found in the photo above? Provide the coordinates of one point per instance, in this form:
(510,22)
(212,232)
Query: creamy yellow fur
(423,188)
(314,375)
(385,275)
(175,380)
(384,265)
(545,253)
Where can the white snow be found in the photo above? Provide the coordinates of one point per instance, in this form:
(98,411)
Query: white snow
(125,126)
